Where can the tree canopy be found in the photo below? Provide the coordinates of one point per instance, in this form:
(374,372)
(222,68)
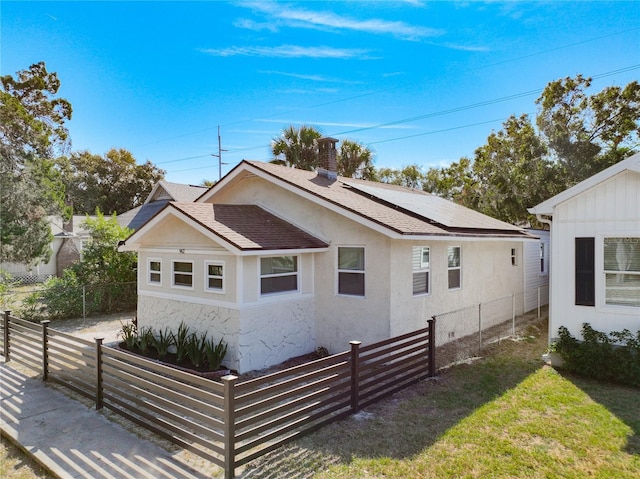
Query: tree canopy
(114,183)
(32,132)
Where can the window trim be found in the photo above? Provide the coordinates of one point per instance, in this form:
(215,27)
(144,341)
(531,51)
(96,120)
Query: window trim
(149,271)
(363,271)
(295,273)
(453,268)
(423,269)
(207,276)
(173,274)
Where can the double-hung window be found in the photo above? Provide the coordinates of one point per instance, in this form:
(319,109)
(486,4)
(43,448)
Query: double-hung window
(351,270)
(420,270)
(183,274)
(278,274)
(622,271)
(542,258)
(454,267)
(214,276)
(155,271)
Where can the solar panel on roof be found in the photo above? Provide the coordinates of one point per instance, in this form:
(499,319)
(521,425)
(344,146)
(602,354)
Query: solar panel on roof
(434,208)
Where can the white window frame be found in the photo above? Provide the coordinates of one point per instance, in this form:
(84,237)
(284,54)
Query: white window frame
(424,268)
(454,268)
(208,276)
(150,272)
(543,258)
(602,287)
(340,271)
(295,273)
(174,272)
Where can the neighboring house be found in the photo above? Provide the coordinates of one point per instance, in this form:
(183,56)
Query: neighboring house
(280,261)
(161,194)
(595,245)
(536,270)
(68,242)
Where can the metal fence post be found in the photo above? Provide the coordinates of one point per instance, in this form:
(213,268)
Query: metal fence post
(432,345)
(99,388)
(513,314)
(479,328)
(7,314)
(45,349)
(355,375)
(229,383)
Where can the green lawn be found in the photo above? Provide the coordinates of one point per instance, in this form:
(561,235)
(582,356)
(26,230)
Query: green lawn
(505,415)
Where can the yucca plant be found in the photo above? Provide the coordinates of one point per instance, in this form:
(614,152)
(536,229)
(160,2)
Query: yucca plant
(181,341)
(145,339)
(195,349)
(162,341)
(129,335)
(215,353)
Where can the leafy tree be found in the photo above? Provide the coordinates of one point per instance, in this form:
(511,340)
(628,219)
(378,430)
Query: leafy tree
(297,147)
(453,182)
(114,183)
(355,161)
(510,172)
(410,176)
(32,132)
(588,133)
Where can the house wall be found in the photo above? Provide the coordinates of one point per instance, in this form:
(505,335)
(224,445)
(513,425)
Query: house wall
(339,318)
(609,209)
(534,276)
(487,275)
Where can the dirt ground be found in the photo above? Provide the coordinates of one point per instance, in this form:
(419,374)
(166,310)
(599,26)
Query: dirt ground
(106,326)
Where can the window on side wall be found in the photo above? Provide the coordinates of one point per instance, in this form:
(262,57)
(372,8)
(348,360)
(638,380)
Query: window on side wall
(420,270)
(278,274)
(542,258)
(214,276)
(351,270)
(454,267)
(514,257)
(154,268)
(183,274)
(622,271)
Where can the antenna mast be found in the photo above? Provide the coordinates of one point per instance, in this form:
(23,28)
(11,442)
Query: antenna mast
(219,155)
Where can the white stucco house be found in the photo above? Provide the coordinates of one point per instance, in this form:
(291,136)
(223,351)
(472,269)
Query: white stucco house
(280,261)
(595,245)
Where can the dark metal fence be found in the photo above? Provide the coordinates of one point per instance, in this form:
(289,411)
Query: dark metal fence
(230,422)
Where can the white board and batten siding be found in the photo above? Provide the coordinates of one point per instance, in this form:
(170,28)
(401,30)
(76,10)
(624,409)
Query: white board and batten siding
(608,209)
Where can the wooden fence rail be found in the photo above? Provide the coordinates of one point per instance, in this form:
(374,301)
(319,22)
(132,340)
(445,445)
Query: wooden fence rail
(230,422)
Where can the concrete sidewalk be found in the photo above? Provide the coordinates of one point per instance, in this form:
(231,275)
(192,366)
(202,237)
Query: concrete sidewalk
(71,440)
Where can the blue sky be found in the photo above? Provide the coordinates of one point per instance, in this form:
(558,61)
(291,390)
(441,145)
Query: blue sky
(417,82)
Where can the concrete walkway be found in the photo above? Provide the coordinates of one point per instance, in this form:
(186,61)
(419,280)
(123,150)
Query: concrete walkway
(71,440)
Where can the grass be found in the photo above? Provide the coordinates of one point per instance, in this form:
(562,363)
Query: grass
(505,415)
(15,464)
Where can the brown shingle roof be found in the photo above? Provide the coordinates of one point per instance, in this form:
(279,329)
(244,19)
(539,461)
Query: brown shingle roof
(403,219)
(249,227)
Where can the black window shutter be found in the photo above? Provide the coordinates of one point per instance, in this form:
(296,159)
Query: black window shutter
(585,272)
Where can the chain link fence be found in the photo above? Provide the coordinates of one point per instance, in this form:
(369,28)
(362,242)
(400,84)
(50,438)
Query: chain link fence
(38,302)
(463,333)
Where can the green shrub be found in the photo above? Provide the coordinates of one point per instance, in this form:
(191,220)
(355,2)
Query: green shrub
(129,335)
(181,342)
(195,349)
(215,353)
(162,342)
(611,357)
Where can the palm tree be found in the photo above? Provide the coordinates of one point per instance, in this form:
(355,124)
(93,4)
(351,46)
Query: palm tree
(356,161)
(297,147)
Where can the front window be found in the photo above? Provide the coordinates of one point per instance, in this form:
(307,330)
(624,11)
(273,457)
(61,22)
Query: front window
(420,270)
(278,274)
(155,271)
(183,274)
(454,268)
(622,271)
(214,276)
(351,271)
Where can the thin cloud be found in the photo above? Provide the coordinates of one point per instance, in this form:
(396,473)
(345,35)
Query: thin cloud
(340,125)
(317,78)
(287,51)
(302,18)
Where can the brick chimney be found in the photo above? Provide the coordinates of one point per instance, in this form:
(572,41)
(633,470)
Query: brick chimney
(327,156)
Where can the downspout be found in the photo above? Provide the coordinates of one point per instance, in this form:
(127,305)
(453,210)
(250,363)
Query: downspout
(541,219)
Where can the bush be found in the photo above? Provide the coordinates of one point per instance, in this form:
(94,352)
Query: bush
(611,357)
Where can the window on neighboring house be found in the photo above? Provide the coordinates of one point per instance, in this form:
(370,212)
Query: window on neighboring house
(183,274)
(351,270)
(155,271)
(514,257)
(622,271)
(542,257)
(585,276)
(214,276)
(454,267)
(420,270)
(278,274)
